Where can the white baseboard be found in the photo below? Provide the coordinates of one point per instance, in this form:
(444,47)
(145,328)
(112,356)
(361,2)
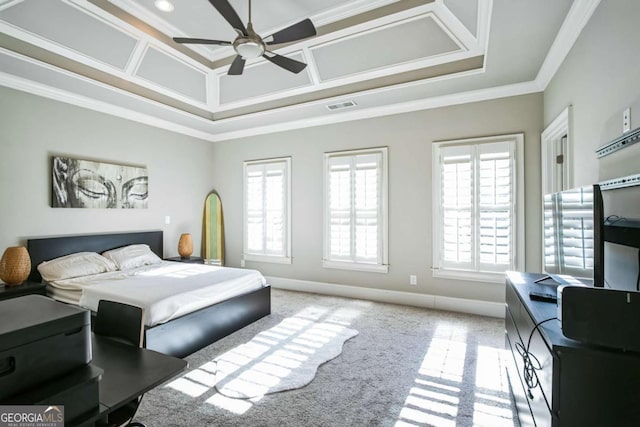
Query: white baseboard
(461,305)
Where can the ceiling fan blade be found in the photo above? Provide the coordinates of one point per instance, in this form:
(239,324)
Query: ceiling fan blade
(185,40)
(227,12)
(286,63)
(237,66)
(299,31)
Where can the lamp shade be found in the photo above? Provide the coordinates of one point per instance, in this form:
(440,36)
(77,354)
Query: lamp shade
(185,245)
(15,265)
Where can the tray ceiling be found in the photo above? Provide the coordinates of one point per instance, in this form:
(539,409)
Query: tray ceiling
(120,56)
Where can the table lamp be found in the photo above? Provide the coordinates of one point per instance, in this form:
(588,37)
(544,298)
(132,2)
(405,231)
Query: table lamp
(185,245)
(15,265)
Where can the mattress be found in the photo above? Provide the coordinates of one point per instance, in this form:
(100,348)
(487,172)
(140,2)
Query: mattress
(70,296)
(165,291)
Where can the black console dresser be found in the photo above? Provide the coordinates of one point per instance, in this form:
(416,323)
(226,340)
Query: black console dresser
(576,384)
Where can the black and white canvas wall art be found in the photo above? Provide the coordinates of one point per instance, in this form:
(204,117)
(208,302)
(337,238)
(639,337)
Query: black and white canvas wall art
(89,184)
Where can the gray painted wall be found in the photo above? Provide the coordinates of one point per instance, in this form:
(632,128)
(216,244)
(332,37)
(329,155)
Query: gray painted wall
(409,138)
(600,79)
(34,128)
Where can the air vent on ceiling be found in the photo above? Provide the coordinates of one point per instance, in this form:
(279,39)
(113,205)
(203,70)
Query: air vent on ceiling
(341,105)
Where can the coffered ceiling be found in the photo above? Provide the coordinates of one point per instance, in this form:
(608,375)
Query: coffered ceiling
(370,57)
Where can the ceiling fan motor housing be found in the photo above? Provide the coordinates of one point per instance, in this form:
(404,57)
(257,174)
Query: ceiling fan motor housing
(249,47)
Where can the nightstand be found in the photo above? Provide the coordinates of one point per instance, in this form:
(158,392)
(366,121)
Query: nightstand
(188,260)
(27,288)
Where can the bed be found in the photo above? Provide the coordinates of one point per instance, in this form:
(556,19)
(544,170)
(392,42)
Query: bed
(180,336)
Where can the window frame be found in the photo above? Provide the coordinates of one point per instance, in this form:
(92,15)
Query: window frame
(557,177)
(518,214)
(382,265)
(263,257)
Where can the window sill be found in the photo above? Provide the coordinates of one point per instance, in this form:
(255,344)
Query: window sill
(342,265)
(474,276)
(267,258)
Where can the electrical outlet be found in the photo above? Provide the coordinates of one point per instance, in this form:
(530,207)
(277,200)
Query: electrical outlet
(626,120)
(241,263)
(413,280)
(167,220)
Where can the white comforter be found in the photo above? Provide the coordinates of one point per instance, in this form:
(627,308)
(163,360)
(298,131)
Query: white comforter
(165,291)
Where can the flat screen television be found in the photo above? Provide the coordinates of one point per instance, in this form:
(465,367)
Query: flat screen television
(573,230)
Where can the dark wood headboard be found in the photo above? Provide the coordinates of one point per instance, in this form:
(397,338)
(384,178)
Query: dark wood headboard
(47,248)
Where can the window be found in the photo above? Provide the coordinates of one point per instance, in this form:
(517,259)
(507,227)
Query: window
(478,207)
(355,201)
(267,210)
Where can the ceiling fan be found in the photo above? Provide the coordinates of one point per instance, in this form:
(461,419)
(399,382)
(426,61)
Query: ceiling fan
(250,45)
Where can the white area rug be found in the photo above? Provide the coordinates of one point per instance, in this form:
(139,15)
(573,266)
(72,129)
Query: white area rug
(284,357)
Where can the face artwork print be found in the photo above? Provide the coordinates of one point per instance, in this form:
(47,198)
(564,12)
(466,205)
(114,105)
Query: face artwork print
(90,184)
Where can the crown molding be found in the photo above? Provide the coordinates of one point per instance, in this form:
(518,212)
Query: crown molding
(50,92)
(577,18)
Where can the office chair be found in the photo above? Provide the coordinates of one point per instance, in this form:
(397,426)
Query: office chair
(123,323)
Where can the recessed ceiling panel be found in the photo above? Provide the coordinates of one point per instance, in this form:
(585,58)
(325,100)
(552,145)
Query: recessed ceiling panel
(261,79)
(466,11)
(67,26)
(171,73)
(410,41)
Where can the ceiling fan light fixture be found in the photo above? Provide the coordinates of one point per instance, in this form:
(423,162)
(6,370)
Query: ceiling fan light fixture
(250,45)
(249,49)
(164,5)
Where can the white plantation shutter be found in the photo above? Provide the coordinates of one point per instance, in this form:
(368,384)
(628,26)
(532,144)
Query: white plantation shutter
(274,209)
(267,209)
(340,219)
(495,206)
(255,208)
(457,212)
(475,205)
(367,186)
(577,232)
(355,197)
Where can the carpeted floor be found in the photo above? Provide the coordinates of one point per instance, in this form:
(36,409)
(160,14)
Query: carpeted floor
(406,367)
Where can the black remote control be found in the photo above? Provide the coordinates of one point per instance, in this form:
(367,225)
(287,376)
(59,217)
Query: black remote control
(543,296)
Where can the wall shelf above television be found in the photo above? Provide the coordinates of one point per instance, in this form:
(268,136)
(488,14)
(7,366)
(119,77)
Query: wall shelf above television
(623,232)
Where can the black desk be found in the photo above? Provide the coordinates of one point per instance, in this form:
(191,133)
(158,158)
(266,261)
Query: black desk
(129,371)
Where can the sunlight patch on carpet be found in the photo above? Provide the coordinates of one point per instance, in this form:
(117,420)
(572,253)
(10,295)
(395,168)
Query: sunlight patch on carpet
(437,398)
(235,406)
(284,357)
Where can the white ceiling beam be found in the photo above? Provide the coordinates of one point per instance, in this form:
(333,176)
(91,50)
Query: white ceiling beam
(136,58)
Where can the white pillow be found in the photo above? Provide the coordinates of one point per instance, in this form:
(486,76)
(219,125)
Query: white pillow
(75,265)
(132,256)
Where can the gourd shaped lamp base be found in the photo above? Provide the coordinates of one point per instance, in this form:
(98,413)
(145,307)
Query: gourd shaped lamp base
(185,245)
(15,265)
